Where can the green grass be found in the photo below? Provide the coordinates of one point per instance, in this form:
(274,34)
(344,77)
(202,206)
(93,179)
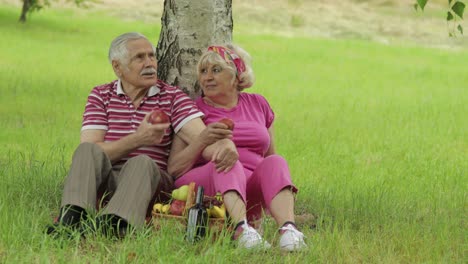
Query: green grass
(375,135)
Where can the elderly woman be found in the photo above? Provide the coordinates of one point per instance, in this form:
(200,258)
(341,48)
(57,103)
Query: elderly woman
(260,179)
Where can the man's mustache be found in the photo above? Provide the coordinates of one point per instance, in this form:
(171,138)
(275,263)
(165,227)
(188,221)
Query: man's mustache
(148,71)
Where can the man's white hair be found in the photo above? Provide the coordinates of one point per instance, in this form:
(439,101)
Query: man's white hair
(118,49)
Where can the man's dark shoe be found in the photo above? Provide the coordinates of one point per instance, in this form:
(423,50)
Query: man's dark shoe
(57,230)
(71,215)
(69,221)
(112,226)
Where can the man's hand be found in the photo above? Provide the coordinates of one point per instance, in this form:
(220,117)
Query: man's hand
(148,134)
(225,155)
(214,132)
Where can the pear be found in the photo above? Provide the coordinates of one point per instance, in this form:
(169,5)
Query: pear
(181,193)
(165,208)
(219,197)
(218,212)
(157,208)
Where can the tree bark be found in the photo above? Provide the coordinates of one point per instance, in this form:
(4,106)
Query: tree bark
(24,10)
(187,28)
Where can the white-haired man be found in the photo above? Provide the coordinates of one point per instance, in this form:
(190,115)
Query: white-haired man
(121,152)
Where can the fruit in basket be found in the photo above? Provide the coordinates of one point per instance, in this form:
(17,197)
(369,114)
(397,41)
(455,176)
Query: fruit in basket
(181,193)
(219,197)
(157,208)
(165,208)
(177,207)
(218,211)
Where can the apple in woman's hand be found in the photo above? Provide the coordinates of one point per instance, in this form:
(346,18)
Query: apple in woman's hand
(228,122)
(157,117)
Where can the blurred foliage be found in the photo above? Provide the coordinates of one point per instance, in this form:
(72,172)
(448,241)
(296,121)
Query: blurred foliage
(455,11)
(30,6)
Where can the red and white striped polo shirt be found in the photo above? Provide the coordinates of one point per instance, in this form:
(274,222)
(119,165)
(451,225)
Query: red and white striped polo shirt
(109,108)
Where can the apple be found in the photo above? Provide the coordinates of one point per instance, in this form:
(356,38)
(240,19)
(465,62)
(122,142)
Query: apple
(181,193)
(157,116)
(228,122)
(177,207)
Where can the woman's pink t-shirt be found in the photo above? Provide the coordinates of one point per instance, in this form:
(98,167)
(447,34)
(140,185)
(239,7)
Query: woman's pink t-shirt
(252,117)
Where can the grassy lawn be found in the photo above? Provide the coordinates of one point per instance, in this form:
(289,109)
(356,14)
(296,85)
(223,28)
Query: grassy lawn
(375,135)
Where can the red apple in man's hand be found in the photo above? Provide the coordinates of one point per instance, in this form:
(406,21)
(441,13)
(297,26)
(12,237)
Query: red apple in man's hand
(157,117)
(228,122)
(177,207)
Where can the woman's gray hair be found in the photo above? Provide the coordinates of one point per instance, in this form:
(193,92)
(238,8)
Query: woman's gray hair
(246,79)
(118,49)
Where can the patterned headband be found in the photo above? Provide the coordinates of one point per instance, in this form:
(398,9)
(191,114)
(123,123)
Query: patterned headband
(229,56)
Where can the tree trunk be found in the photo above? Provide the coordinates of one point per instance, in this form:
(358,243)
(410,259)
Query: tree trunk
(24,10)
(188,27)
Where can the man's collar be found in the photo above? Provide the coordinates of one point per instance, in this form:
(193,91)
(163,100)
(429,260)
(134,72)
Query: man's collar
(120,91)
(153,90)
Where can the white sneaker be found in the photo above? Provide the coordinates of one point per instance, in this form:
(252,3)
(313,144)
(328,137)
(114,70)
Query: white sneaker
(250,238)
(291,239)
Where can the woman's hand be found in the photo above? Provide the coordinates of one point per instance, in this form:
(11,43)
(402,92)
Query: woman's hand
(225,155)
(214,132)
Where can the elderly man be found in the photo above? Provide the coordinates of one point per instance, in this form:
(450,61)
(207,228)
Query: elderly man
(121,152)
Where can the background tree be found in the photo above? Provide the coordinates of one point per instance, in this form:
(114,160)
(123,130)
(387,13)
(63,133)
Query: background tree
(455,12)
(30,6)
(187,28)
